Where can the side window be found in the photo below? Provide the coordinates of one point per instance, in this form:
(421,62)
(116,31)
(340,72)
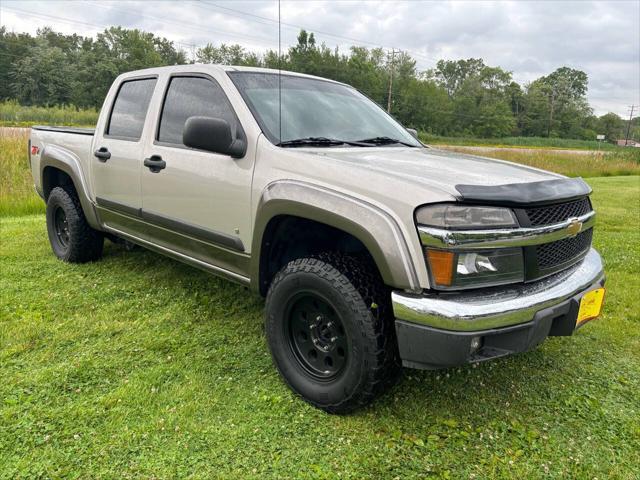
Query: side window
(130,108)
(189,97)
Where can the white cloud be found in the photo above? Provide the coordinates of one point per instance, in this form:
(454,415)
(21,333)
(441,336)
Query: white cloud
(529,38)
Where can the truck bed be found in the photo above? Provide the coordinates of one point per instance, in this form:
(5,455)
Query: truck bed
(72,143)
(74,130)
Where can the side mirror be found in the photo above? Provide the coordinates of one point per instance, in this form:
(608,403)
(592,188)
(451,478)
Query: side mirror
(212,135)
(413,132)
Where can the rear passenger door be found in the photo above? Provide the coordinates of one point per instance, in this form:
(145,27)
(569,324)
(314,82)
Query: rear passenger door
(198,201)
(118,152)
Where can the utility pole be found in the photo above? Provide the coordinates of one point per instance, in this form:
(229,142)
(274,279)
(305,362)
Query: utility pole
(626,137)
(393,66)
(553,102)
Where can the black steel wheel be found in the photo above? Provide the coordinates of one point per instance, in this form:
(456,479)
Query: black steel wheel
(316,335)
(61,226)
(330,331)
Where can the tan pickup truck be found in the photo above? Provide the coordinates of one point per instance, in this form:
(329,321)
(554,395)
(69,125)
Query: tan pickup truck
(373,250)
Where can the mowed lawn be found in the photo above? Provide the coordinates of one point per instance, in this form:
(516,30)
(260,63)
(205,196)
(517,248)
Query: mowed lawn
(140,367)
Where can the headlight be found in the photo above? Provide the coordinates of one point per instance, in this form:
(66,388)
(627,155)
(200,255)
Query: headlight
(484,268)
(465,217)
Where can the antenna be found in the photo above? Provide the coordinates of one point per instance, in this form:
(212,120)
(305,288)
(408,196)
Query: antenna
(279,76)
(392,65)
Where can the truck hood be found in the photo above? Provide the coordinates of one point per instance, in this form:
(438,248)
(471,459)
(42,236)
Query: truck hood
(413,172)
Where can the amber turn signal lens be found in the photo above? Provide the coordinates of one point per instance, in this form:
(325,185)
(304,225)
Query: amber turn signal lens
(441,266)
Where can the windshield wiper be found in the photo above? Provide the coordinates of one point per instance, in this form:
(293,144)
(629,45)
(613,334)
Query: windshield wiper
(319,141)
(384,141)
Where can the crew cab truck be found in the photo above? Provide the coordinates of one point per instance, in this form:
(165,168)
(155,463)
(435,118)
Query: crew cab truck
(373,250)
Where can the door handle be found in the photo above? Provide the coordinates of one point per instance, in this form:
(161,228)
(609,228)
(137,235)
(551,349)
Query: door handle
(155,163)
(103,154)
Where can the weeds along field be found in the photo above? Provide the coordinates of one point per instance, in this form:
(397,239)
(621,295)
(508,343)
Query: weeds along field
(520,142)
(573,163)
(12,114)
(17,194)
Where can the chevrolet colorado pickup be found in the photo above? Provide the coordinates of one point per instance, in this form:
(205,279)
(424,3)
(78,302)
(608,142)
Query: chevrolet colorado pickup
(373,250)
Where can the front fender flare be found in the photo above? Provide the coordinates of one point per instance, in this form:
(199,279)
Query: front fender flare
(374,227)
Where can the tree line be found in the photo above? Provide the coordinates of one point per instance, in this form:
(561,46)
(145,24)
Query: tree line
(455,98)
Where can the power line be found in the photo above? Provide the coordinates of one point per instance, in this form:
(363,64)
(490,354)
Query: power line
(190,25)
(102,27)
(303,27)
(53,17)
(206,29)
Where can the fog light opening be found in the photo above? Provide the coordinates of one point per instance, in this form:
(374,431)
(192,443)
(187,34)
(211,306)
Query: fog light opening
(476,343)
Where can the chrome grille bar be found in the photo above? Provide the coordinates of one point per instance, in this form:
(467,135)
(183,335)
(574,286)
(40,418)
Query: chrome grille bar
(497,238)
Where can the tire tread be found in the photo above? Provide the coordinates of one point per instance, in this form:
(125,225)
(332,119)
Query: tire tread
(85,243)
(363,289)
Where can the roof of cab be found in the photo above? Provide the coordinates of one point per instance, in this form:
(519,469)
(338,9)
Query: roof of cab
(203,67)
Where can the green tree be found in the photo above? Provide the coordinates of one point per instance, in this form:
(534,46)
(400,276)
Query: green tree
(130,49)
(96,68)
(457,97)
(13,47)
(556,105)
(43,77)
(481,96)
(568,82)
(610,125)
(422,104)
(450,74)
(226,55)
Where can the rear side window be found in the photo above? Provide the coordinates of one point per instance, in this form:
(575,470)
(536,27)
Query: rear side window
(189,97)
(130,108)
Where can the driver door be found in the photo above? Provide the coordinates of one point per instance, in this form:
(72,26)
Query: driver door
(196,202)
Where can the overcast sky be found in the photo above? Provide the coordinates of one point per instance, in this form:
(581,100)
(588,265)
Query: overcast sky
(526,37)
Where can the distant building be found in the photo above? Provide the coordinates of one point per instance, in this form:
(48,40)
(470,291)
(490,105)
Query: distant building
(629,143)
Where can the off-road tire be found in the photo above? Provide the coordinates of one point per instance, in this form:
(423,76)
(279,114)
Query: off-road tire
(354,289)
(80,243)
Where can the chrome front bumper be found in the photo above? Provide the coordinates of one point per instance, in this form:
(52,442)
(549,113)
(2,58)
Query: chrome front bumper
(499,306)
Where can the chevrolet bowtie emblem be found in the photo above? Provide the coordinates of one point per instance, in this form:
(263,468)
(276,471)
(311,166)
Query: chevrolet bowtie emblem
(574,228)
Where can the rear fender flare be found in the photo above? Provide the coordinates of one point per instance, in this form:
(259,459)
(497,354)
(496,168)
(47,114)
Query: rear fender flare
(65,161)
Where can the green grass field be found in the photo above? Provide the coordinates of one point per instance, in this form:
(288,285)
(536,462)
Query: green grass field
(140,367)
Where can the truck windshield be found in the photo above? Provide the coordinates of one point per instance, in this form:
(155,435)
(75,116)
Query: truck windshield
(317,113)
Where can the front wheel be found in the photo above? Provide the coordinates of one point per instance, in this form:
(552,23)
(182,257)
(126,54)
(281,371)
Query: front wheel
(330,331)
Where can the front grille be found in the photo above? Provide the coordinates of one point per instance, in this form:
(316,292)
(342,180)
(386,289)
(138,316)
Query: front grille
(551,214)
(558,253)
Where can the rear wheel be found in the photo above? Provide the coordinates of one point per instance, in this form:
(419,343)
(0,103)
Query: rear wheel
(331,332)
(72,238)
